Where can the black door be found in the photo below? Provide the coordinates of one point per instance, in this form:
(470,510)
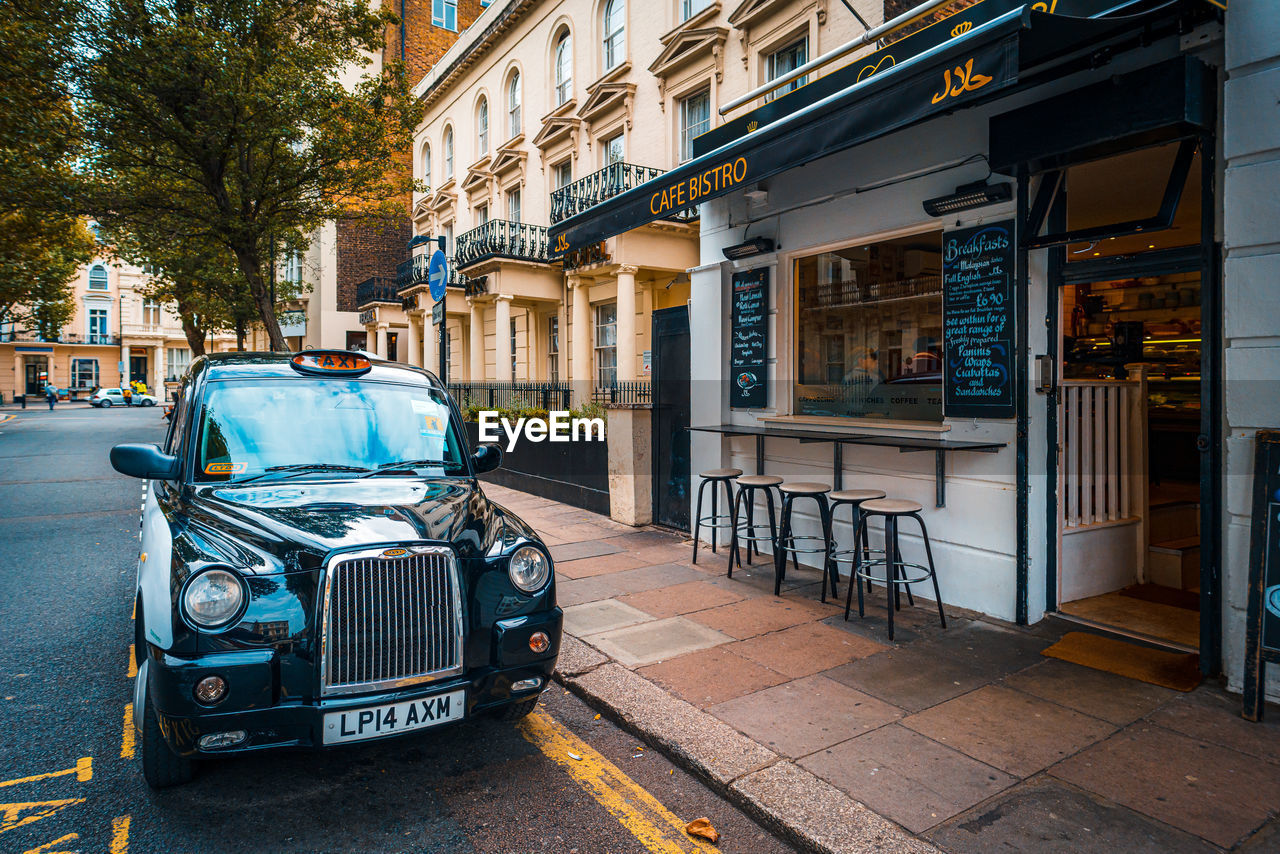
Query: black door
(671,417)
(137,368)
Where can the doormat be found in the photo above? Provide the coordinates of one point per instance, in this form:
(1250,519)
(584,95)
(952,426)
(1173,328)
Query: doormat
(1177,670)
(1185,599)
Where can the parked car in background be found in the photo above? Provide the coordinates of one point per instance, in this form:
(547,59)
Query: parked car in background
(105,397)
(319,565)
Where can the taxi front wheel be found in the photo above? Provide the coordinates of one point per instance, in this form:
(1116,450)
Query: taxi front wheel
(516,711)
(161,767)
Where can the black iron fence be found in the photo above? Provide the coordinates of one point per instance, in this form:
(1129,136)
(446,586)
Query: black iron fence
(513,395)
(612,180)
(500,238)
(376,289)
(637,394)
(413,272)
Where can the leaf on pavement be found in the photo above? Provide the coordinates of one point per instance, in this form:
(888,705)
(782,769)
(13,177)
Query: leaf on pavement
(702,827)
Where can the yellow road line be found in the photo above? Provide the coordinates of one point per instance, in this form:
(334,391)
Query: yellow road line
(126,740)
(48,847)
(5,418)
(83,769)
(11,815)
(656,827)
(133,664)
(120,835)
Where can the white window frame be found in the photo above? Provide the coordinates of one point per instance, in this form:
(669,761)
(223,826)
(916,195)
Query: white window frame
(176,361)
(426,165)
(567,166)
(104,315)
(774,72)
(513,106)
(482,127)
(448,153)
(99,278)
(78,374)
(689,8)
(606,345)
(514,356)
(513,204)
(553,348)
(688,130)
(444,13)
(614,26)
(151,312)
(607,149)
(562,63)
(482,214)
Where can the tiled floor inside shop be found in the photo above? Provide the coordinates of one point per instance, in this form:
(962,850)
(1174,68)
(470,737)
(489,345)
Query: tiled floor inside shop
(966,736)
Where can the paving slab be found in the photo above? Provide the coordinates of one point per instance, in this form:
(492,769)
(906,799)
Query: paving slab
(680,552)
(906,777)
(805,715)
(1265,841)
(577,550)
(1219,794)
(656,640)
(692,737)
(711,676)
(638,539)
(595,617)
(682,598)
(1096,693)
(910,678)
(992,650)
(1211,715)
(598,565)
(1015,732)
(756,616)
(577,657)
(1048,817)
(806,649)
(825,819)
(615,584)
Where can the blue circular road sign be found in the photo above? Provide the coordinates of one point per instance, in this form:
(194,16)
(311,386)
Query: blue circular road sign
(437,275)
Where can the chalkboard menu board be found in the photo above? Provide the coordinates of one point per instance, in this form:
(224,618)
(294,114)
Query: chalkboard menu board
(1262,631)
(748,351)
(978,321)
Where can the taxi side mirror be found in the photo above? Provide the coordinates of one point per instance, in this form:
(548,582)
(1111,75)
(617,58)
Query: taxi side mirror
(145,461)
(486,458)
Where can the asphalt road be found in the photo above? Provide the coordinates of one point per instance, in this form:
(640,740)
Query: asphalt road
(68,556)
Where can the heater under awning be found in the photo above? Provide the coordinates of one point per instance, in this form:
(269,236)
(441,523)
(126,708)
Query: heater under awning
(977,66)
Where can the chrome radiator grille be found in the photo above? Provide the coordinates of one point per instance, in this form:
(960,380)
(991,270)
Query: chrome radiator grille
(391,621)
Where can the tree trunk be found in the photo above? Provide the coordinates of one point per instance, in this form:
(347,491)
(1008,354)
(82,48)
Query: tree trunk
(240,334)
(251,269)
(195,333)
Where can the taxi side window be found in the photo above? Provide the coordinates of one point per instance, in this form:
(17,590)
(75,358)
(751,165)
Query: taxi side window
(178,423)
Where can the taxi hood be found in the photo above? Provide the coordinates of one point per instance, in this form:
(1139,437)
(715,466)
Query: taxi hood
(288,520)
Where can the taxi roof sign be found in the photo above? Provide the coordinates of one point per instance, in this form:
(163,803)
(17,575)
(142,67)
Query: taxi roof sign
(330,362)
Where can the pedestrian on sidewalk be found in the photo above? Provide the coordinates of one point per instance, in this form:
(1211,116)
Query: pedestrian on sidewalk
(51,394)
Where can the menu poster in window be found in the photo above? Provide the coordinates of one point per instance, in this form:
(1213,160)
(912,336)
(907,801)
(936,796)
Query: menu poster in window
(1262,626)
(978,321)
(748,353)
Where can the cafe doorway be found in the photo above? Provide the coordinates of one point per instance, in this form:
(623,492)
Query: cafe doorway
(1131,495)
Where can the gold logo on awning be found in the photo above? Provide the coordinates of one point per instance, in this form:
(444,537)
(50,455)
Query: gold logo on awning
(959,80)
(961,28)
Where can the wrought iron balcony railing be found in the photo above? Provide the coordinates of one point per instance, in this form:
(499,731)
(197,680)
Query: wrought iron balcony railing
(21,336)
(376,289)
(413,273)
(612,180)
(499,238)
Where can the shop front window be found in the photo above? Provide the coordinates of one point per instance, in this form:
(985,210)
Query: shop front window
(84,373)
(869,330)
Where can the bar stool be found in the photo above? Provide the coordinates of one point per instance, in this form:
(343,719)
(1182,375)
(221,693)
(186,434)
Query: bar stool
(896,571)
(787,540)
(715,520)
(748,484)
(853,498)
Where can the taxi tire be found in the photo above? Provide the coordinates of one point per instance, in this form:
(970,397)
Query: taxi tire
(516,711)
(161,767)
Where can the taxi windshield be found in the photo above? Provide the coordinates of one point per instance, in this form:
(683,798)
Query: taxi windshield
(259,430)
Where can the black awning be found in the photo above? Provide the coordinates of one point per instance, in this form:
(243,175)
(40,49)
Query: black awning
(969,69)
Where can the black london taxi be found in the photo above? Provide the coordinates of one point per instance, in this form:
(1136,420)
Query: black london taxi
(319,565)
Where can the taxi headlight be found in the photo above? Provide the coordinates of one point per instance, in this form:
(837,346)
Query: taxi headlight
(529,568)
(213,597)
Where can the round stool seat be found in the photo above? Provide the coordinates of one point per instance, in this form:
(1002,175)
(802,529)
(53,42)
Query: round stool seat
(715,474)
(856,495)
(759,480)
(891,506)
(804,487)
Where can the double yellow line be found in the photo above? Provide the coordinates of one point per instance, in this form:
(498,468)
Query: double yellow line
(655,826)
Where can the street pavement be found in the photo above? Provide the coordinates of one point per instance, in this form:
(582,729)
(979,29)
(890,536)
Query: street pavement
(68,557)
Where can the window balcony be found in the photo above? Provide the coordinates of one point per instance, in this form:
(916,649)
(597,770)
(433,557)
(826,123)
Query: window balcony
(21,336)
(376,289)
(614,179)
(413,274)
(499,238)
(143,330)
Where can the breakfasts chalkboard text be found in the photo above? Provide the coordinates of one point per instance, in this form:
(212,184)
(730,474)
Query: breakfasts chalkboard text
(978,321)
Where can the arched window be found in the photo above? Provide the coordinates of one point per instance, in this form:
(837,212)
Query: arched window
(615,14)
(564,67)
(448,154)
(426,165)
(98,278)
(482,127)
(513,105)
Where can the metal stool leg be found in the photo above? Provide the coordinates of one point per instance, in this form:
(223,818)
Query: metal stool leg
(773,525)
(933,574)
(751,523)
(697,519)
(890,566)
(733,534)
(911,600)
(715,516)
(824,510)
(780,556)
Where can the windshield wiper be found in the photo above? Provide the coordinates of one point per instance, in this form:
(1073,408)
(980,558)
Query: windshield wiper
(388,468)
(302,467)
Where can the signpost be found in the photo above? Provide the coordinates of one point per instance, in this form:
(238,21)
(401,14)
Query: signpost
(978,326)
(437,283)
(1262,631)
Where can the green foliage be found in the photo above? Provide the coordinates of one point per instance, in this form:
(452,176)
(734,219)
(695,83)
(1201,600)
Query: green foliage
(235,124)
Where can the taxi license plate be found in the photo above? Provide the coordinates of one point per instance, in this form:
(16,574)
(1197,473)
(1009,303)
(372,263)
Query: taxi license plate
(394,718)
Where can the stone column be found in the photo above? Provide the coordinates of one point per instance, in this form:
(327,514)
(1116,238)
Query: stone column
(502,339)
(413,354)
(581,378)
(382,341)
(476,362)
(626,323)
